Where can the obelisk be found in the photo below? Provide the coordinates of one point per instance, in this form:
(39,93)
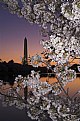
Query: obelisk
(25,61)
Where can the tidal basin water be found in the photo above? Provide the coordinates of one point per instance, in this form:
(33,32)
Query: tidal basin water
(73,86)
(10,113)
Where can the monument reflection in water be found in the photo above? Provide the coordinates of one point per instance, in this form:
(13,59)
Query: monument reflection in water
(48,107)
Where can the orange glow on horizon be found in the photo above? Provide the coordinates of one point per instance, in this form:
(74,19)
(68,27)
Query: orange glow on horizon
(15,50)
(16,57)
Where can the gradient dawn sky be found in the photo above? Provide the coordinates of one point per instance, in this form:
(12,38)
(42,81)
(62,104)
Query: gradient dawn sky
(13,30)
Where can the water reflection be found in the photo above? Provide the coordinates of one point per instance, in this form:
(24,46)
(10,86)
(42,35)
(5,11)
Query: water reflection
(47,107)
(73,86)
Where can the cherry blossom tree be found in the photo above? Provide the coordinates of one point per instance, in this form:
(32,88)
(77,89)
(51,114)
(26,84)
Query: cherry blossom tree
(59,21)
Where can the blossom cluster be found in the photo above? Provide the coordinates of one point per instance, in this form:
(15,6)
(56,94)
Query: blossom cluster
(60,20)
(10,98)
(43,106)
(36,60)
(55,107)
(39,88)
(71,11)
(60,50)
(12,5)
(46,13)
(64,74)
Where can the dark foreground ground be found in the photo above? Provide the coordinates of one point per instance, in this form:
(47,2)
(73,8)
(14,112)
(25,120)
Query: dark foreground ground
(8,71)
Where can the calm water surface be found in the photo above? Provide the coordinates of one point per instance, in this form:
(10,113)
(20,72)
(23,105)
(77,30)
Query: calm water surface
(14,114)
(73,86)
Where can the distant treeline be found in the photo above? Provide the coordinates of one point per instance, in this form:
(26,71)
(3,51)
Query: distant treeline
(8,71)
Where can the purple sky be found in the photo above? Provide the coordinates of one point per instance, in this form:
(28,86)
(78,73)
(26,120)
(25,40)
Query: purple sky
(13,30)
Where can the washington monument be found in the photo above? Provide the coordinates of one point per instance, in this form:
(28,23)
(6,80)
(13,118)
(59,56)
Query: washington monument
(25,58)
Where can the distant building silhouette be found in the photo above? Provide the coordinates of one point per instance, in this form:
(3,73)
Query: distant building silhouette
(25,58)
